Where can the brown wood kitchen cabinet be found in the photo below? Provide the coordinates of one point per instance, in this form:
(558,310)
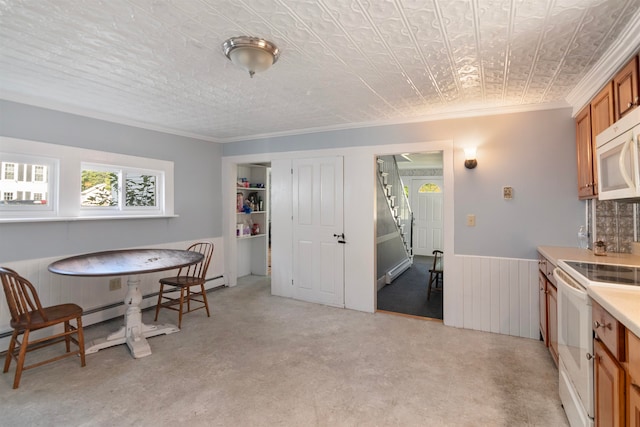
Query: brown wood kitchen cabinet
(587,187)
(633,380)
(616,371)
(601,115)
(626,90)
(615,99)
(609,388)
(552,309)
(548,305)
(542,302)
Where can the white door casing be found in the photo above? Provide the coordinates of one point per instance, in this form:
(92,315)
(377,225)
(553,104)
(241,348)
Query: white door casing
(318,255)
(428,212)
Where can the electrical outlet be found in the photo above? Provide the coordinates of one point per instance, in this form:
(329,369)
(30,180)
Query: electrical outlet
(115,284)
(471,220)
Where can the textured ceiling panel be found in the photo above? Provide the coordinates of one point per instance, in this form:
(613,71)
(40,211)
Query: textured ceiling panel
(342,63)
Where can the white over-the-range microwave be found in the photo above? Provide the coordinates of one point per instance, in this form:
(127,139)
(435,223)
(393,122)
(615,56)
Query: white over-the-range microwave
(618,159)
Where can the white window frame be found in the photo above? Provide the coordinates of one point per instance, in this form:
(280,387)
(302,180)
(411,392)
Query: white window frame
(121,207)
(66,179)
(39,210)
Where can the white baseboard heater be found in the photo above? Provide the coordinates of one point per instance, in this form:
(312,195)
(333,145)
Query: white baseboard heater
(397,270)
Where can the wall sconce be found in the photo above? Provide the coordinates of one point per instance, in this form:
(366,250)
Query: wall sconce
(470,161)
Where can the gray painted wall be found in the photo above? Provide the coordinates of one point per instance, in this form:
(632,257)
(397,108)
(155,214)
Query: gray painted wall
(196,175)
(533,152)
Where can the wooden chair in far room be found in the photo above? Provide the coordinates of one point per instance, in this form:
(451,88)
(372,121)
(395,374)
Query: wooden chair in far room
(187,278)
(435,273)
(27,315)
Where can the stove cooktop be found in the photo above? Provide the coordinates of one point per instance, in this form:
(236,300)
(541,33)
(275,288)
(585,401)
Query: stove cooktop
(607,273)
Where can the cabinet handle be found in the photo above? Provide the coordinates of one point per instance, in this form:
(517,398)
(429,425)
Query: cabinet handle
(636,386)
(597,325)
(589,356)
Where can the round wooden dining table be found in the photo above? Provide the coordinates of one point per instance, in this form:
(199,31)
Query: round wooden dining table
(132,263)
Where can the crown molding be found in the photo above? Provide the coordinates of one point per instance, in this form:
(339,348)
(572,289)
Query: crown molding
(625,46)
(478,112)
(78,111)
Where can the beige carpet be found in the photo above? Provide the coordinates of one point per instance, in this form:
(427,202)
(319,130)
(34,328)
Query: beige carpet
(268,361)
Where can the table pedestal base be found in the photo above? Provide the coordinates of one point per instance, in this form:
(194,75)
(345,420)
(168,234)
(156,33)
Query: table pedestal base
(134,333)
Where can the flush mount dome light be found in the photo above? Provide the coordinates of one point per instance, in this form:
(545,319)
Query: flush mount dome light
(251,53)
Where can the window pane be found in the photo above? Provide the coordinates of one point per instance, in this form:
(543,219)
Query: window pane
(429,188)
(17,187)
(141,190)
(99,188)
(9,170)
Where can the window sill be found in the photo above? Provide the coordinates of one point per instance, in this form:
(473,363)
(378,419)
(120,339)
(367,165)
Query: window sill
(84,218)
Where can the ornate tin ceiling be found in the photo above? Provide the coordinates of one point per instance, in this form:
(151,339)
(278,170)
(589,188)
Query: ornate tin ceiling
(343,63)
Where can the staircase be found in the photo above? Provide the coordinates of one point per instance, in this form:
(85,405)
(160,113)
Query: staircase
(399,209)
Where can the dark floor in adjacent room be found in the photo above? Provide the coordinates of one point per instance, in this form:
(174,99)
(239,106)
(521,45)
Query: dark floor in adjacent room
(408,293)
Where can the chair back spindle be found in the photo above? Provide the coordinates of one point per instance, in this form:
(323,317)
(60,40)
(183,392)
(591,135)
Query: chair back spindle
(22,297)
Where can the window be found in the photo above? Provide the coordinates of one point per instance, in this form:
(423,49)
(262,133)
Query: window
(38,173)
(430,187)
(23,177)
(9,171)
(74,183)
(101,188)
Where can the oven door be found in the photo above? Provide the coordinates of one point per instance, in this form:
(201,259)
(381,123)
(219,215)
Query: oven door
(575,338)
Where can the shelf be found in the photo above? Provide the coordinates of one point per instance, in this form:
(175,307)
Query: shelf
(252,212)
(251,188)
(250,237)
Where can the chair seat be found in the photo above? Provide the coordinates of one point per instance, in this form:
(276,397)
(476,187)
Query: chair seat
(181,281)
(55,314)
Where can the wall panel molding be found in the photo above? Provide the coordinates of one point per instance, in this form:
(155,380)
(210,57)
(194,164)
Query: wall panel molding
(498,295)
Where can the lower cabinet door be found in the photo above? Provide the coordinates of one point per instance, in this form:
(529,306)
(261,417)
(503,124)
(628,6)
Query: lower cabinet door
(633,413)
(552,317)
(609,388)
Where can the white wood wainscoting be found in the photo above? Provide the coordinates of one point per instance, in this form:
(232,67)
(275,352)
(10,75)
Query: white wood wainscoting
(494,294)
(92,293)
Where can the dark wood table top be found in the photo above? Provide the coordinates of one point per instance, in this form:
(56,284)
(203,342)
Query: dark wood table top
(125,262)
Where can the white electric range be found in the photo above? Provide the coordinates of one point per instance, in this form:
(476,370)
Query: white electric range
(575,336)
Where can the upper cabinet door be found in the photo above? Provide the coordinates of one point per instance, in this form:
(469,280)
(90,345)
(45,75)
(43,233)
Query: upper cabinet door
(601,112)
(626,91)
(587,188)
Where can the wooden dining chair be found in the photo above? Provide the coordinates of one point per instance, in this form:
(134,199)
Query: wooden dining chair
(436,273)
(188,277)
(27,315)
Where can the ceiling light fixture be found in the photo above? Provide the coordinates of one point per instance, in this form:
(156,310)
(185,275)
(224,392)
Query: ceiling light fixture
(251,53)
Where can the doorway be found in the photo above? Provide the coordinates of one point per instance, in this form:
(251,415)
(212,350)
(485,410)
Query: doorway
(423,181)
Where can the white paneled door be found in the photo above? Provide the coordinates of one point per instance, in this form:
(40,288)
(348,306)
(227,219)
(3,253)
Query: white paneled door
(318,254)
(428,212)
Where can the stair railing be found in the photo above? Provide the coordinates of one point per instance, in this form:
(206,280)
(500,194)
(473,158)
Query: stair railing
(389,176)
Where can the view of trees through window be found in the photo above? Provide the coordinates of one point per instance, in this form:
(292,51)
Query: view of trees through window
(101,188)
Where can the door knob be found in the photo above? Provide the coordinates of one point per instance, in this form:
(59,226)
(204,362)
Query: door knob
(340,238)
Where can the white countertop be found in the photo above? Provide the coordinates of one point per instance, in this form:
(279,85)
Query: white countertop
(555,253)
(623,304)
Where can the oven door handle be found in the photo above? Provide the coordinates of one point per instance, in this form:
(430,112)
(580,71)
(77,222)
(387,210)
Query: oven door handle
(569,285)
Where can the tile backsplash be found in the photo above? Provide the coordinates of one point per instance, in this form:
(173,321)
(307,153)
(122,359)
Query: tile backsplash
(616,223)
